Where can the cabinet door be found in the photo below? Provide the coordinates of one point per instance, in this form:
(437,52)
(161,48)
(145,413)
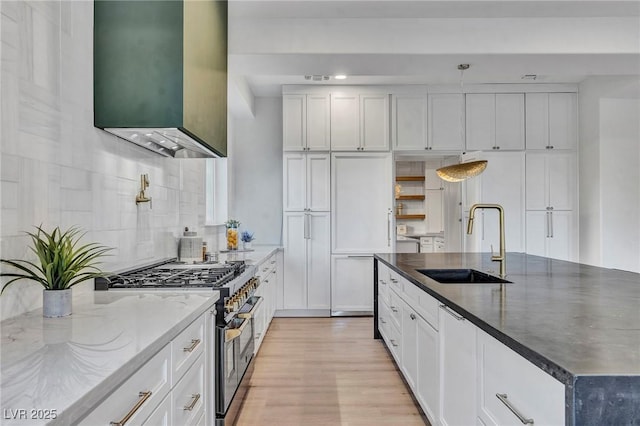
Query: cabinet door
(294,130)
(445,125)
(318,261)
(531,391)
(537,232)
(318,179)
(480,121)
(294,181)
(537,120)
(374,122)
(409,328)
(560,244)
(295,261)
(351,284)
(562,120)
(318,123)
(509,130)
(428,375)
(345,122)
(502,183)
(189,392)
(561,169)
(361,224)
(409,122)
(457,369)
(536,181)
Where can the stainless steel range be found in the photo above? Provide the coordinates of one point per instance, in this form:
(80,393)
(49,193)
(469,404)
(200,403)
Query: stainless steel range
(234,335)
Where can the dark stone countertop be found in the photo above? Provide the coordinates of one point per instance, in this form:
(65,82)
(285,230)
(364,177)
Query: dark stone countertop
(567,318)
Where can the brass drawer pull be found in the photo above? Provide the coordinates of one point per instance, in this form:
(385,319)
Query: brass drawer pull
(143,397)
(195,400)
(194,343)
(503,398)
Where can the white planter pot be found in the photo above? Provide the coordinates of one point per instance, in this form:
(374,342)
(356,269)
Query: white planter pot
(56,303)
(246,246)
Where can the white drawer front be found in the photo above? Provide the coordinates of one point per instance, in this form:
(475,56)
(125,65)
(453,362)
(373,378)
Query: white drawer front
(384,319)
(423,303)
(162,415)
(188,396)
(266,267)
(137,397)
(526,388)
(397,282)
(186,347)
(395,310)
(395,342)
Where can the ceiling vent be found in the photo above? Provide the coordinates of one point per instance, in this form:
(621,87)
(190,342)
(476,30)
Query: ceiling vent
(316,77)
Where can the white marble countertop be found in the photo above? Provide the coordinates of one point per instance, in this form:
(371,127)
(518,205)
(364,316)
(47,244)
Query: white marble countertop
(71,364)
(255,256)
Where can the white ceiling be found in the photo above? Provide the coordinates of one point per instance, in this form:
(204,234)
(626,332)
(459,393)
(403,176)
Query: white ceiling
(272,43)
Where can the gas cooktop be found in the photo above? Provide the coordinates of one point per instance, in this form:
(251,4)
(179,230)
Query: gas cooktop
(174,275)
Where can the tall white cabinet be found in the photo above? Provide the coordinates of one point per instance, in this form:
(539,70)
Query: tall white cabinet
(551,198)
(306,233)
(361,221)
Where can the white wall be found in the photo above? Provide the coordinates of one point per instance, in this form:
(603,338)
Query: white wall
(56,169)
(255,164)
(609,162)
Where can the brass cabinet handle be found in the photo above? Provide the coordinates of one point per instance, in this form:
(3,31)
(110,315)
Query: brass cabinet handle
(382,321)
(143,397)
(393,343)
(383,282)
(503,398)
(412,316)
(194,343)
(393,308)
(194,401)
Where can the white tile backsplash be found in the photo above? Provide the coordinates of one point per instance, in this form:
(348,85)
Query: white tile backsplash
(56,169)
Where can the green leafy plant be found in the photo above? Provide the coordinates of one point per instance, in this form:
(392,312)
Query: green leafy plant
(63,261)
(232,223)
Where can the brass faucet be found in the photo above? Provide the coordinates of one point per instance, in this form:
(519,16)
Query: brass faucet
(141,197)
(502,258)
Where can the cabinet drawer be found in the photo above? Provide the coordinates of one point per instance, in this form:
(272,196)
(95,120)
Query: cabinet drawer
(397,282)
(422,303)
(138,396)
(161,415)
(384,320)
(520,384)
(394,342)
(186,347)
(188,396)
(266,267)
(395,310)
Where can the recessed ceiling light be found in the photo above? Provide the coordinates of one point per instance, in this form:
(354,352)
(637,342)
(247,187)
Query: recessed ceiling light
(339,76)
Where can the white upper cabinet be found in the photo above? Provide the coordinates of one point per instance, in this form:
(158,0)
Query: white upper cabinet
(306,182)
(359,122)
(445,124)
(305,122)
(345,122)
(374,122)
(551,120)
(409,122)
(550,181)
(495,121)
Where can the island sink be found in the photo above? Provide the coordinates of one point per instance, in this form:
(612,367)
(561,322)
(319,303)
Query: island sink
(461,276)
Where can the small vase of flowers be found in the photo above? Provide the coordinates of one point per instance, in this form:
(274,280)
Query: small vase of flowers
(246,237)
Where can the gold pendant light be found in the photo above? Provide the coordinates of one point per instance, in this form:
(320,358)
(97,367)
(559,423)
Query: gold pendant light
(460,172)
(463,171)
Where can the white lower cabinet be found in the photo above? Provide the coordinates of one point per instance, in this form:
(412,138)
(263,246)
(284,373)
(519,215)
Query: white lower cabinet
(457,369)
(428,378)
(351,284)
(161,415)
(187,396)
(512,391)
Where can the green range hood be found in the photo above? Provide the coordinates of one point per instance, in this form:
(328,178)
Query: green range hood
(160,74)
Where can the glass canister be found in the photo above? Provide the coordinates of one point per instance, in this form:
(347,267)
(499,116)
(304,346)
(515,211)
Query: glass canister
(232,234)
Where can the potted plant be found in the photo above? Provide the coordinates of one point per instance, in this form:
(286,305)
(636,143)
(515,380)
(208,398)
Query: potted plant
(63,264)
(246,237)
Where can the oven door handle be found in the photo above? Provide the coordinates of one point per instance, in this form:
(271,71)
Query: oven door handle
(234,333)
(249,315)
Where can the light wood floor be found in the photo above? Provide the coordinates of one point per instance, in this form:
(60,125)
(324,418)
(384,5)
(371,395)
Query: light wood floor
(326,371)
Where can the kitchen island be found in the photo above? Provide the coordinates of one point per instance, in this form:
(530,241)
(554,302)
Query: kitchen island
(57,370)
(580,324)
